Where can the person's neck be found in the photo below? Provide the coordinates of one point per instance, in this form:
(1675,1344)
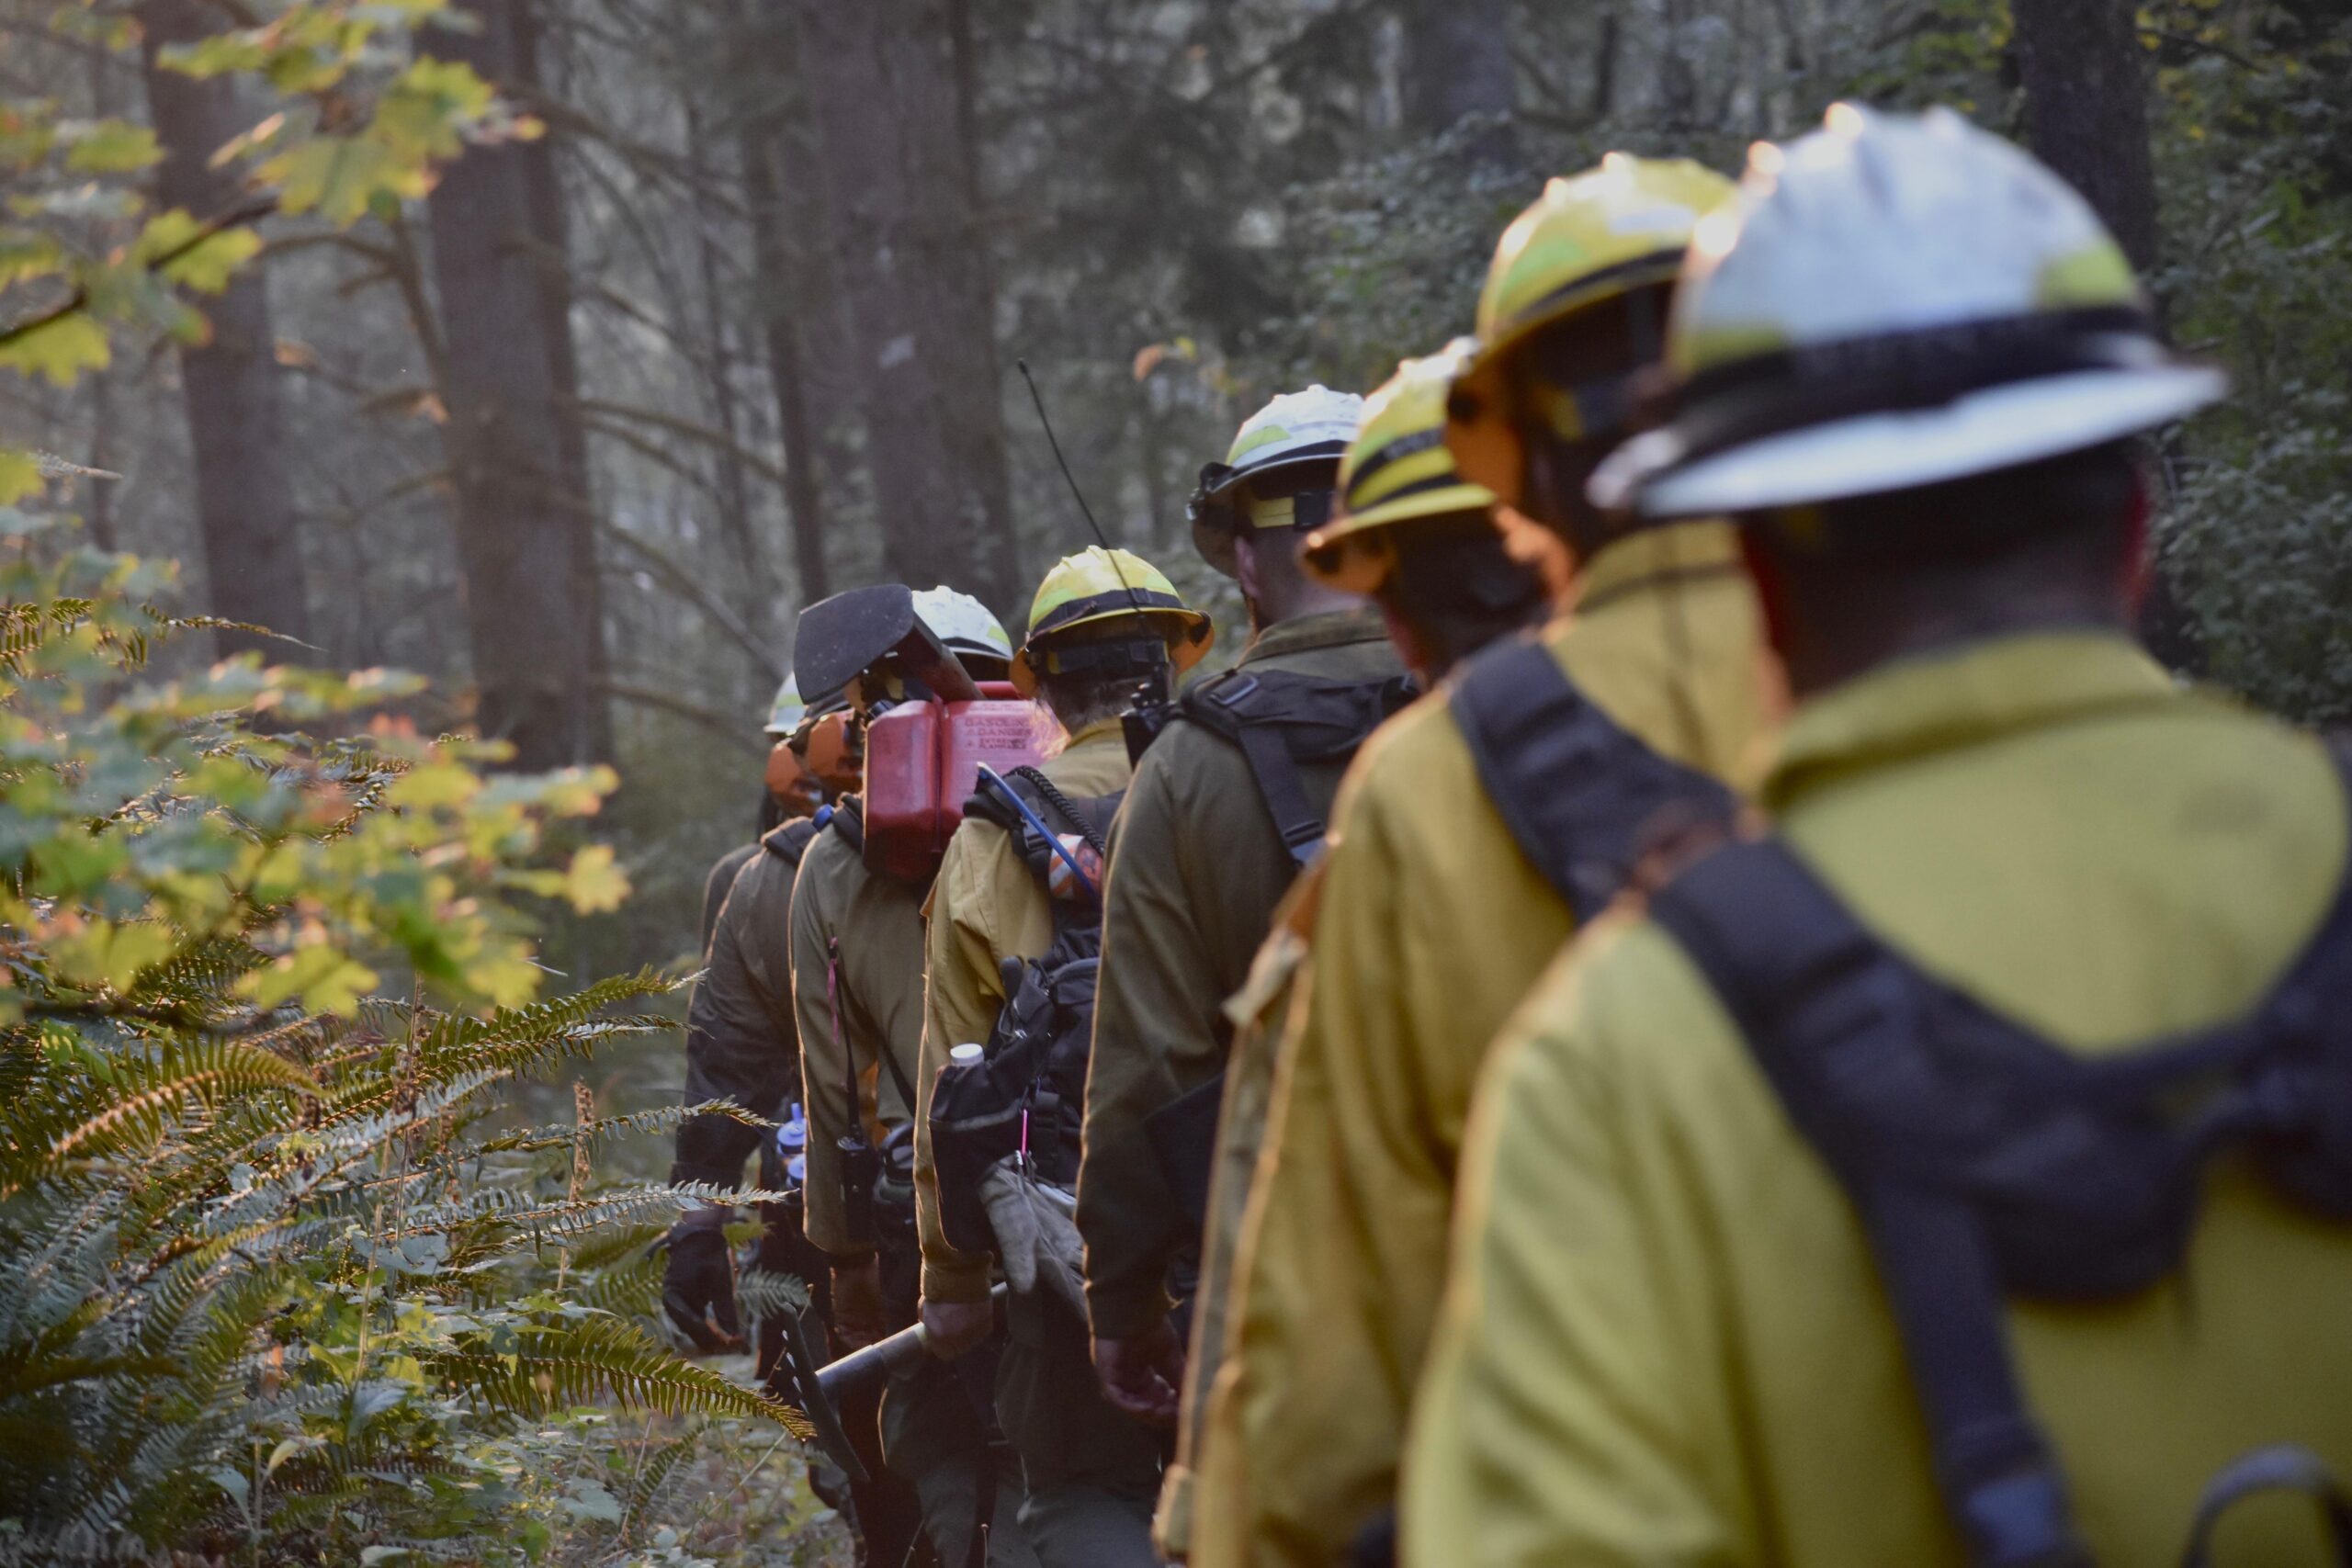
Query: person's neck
(1821,657)
(1296,603)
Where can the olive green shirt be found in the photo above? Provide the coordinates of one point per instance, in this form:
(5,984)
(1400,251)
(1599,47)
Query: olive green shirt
(1196,869)
(1664,1342)
(857,992)
(1431,926)
(740,1042)
(985,907)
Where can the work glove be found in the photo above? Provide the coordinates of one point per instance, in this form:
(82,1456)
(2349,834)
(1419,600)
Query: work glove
(1036,1234)
(698,1282)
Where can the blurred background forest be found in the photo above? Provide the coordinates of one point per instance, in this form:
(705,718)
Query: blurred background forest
(575,430)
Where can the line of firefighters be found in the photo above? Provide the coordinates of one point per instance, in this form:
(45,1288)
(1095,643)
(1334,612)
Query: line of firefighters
(1936,1144)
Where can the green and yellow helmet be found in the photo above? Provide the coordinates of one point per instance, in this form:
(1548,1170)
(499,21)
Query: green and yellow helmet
(1096,587)
(1397,470)
(1589,238)
(1277,473)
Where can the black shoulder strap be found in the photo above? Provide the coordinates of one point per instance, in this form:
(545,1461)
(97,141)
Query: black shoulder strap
(791,841)
(1578,794)
(1805,984)
(1224,705)
(849,821)
(1089,818)
(1833,1016)
(1272,716)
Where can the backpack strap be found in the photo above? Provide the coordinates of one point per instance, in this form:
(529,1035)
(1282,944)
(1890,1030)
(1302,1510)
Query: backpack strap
(2284,1468)
(1279,718)
(1810,989)
(1578,794)
(791,841)
(1271,764)
(848,820)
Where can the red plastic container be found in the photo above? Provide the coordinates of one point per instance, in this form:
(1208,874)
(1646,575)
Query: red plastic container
(923,762)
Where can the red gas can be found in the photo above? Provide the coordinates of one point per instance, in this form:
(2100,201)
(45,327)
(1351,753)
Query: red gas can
(923,762)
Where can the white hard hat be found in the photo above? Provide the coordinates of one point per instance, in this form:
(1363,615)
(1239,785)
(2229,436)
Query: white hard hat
(963,623)
(786,712)
(1296,429)
(1895,302)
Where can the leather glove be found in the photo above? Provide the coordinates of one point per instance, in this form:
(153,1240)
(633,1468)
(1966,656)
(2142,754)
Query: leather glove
(698,1282)
(1036,1232)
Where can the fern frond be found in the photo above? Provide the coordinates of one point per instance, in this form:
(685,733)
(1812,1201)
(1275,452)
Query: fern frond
(662,1118)
(139,1117)
(570,1363)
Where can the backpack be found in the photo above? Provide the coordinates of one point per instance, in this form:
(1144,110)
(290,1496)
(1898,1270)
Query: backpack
(1281,720)
(1985,1161)
(1026,1097)
(1582,797)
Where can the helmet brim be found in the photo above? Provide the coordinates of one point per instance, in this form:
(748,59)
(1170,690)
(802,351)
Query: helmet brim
(1438,503)
(1188,633)
(1213,510)
(2000,427)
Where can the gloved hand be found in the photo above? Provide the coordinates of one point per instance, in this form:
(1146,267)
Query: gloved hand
(1036,1234)
(1143,1374)
(698,1282)
(860,1317)
(950,1328)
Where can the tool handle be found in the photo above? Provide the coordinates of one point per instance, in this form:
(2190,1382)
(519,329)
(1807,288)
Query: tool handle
(862,1369)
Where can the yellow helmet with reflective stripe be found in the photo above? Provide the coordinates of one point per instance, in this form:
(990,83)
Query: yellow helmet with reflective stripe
(1589,238)
(1397,470)
(1096,586)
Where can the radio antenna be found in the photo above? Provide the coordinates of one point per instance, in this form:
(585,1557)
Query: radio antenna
(1038,402)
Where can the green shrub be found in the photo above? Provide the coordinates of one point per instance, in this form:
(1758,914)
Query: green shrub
(274,1283)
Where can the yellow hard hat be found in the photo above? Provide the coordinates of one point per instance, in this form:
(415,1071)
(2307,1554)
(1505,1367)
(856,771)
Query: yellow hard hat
(1097,585)
(1589,238)
(1397,470)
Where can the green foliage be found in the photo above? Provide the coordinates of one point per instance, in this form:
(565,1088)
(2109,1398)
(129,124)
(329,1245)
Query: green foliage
(360,124)
(2255,162)
(272,1284)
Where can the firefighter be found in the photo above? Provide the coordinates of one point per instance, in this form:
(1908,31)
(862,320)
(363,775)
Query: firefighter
(788,791)
(1103,623)
(1460,863)
(1415,535)
(1421,542)
(1227,803)
(857,957)
(1751,1175)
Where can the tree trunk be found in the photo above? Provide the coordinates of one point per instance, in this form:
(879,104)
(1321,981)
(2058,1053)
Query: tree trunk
(908,244)
(526,534)
(783,273)
(252,549)
(755,596)
(2086,110)
(1457,63)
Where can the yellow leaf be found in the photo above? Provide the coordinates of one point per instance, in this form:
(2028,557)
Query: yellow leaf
(443,783)
(206,266)
(336,175)
(58,350)
(110,147)
(595,884)
(19,475)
